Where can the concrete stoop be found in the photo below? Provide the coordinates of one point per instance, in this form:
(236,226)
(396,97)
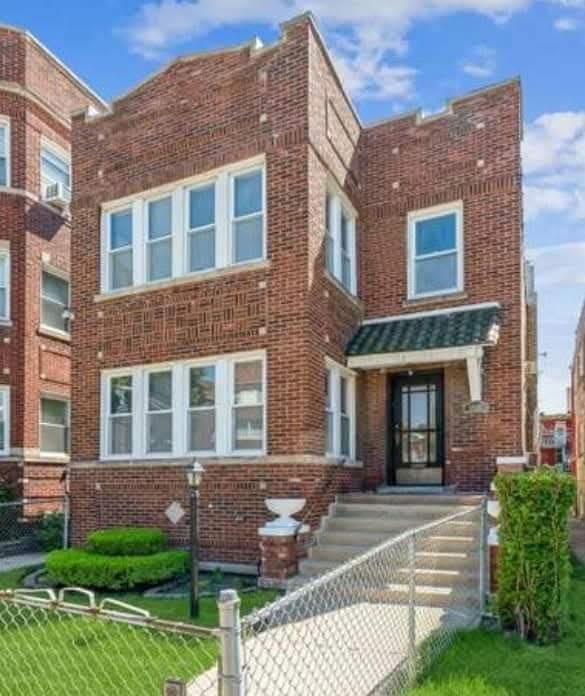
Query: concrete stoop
(446,559)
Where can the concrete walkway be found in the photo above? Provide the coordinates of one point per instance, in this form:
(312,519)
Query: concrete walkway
(25,560)
(578,539)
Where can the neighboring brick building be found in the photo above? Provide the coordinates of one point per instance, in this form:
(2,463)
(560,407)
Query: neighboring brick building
(257,276)
(577,395)
(556,440)
(37,95)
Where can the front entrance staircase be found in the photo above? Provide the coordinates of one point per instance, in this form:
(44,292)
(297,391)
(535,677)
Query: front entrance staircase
(444,558)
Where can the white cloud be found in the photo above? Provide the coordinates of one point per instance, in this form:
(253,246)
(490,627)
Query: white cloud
(559,265)
(554,163)
(481,62)
(366,37)
(566,24)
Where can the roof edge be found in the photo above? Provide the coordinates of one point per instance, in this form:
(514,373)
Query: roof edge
(431,313)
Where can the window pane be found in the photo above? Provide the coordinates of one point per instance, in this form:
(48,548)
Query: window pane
(3,171)
(121,229)
(121,435)
(248,428)
(160,259)
(436,274)
(160,432)
(327,388)
(418,448)
(55,288)
(160,391)
(202,206)
(343,394)
(2,435)
(159,218)
(55,168)
(248,383)
(202,386)
(54,438)
(202,430)
(121,269)
(329,264)
(344,232)
(3,270)
(248,194)
(329,432)
(418,409)
(3,143)
(53,412)
(435,234)
(202,249)
(3,307)
(248,239)
(344,436)
(346,272)
(121,394)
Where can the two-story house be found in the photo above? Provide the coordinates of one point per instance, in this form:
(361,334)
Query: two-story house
(37,95)
(306,304)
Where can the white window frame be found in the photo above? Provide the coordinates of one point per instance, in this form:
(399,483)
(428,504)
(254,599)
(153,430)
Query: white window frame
(233,406)
(219,401)
(5,255)
(5,123)
(5,408)
(338,205)
(149,242)
(232,219)
(62,276)
(189,231)
(224,386)
(336,371)
(67,402)
(413,218)
(61,154)
(145,412)
(223,179)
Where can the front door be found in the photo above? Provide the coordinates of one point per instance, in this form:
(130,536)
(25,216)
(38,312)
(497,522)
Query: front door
(416,429)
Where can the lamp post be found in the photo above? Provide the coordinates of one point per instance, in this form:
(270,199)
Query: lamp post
(194,475)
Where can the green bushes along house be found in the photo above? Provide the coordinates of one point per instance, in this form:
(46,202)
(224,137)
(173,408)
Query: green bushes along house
(118,559)
(535,565)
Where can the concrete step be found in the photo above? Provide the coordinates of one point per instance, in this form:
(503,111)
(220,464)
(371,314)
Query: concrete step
(440,578)
(312,568)
(437,560)
(400,499)
(346,537)
(335,552)
(387,526)
(420,513)
(426,595)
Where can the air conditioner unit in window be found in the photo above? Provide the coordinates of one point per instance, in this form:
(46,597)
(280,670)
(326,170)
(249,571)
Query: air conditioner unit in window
(58,195)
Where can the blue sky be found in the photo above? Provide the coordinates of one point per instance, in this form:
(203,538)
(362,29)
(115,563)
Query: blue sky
(394,56)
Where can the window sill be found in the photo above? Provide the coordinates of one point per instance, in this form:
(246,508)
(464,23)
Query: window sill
(54,333)
(434,299)
(53,457)
(282,459)
(184,280)
(350,296)
(5,323)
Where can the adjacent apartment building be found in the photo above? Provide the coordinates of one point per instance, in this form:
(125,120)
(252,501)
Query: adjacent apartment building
(304,303)
(577,393)
(37,95)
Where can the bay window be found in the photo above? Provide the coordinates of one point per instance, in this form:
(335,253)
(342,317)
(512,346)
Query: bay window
(193,226)
(340,241)
(435,243)
(340,411)
(211,407)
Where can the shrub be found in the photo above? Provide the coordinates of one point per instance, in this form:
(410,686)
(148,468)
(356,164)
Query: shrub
(83,569)
(50,531)
(127,541)
(7,494)
(535,566)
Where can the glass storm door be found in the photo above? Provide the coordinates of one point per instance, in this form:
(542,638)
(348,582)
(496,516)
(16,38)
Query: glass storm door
(416,429)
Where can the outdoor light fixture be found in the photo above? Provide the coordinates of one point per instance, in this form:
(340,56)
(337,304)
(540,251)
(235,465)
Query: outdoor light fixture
(194,473)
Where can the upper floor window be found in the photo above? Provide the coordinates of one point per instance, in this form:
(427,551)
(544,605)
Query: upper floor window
(340,411)
(340,241)
(212,406)
(4,285)
(4,152)
(54,426)
(54,302)
(55,172)
(435,243)
(217,221)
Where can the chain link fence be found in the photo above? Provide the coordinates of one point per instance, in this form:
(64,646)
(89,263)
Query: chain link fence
(66,644)
(31,525)
(371,625)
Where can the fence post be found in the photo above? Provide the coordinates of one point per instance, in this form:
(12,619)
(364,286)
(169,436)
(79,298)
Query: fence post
(66,521)
(412,606)
(483,565)
(231,674)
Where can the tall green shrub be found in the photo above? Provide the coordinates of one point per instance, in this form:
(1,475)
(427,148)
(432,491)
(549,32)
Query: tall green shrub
(535,566)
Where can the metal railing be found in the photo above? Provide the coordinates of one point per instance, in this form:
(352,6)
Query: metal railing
(32,524)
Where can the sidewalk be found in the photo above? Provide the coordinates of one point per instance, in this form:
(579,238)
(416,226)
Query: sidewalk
(578,539)
(23,561)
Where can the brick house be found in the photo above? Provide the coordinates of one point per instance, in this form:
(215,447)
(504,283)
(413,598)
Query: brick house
(306,304)
(556,440)
(577,399)
(37,95)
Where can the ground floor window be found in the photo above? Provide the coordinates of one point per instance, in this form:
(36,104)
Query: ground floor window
(54,426)
(211,407)
(4,420)
(340,409)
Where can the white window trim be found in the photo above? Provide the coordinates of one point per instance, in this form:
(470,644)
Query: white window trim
(59,152)
(338,203)
(5,391)
(5,253)
(224,365)
(336,371)
(223,178)
(5,122)
(63,276)
(233,175)
(144,242)
(426,214)
(67,402)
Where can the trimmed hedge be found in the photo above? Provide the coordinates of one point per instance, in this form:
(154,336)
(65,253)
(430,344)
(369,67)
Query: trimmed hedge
(535,566)
(127,541)
(84,569)
(50,531)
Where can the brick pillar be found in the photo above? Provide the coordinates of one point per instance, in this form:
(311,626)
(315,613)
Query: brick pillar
(280,553)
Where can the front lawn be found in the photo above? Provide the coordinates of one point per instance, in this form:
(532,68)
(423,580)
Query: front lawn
(482,663)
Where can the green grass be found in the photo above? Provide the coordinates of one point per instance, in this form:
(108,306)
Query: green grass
(482,663)
(46,653)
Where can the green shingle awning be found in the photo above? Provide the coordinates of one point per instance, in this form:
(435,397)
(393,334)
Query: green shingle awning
(475,326)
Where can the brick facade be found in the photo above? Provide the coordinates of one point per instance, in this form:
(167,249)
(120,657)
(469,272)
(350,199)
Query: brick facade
(578,412)
(285,102)
(37,95)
